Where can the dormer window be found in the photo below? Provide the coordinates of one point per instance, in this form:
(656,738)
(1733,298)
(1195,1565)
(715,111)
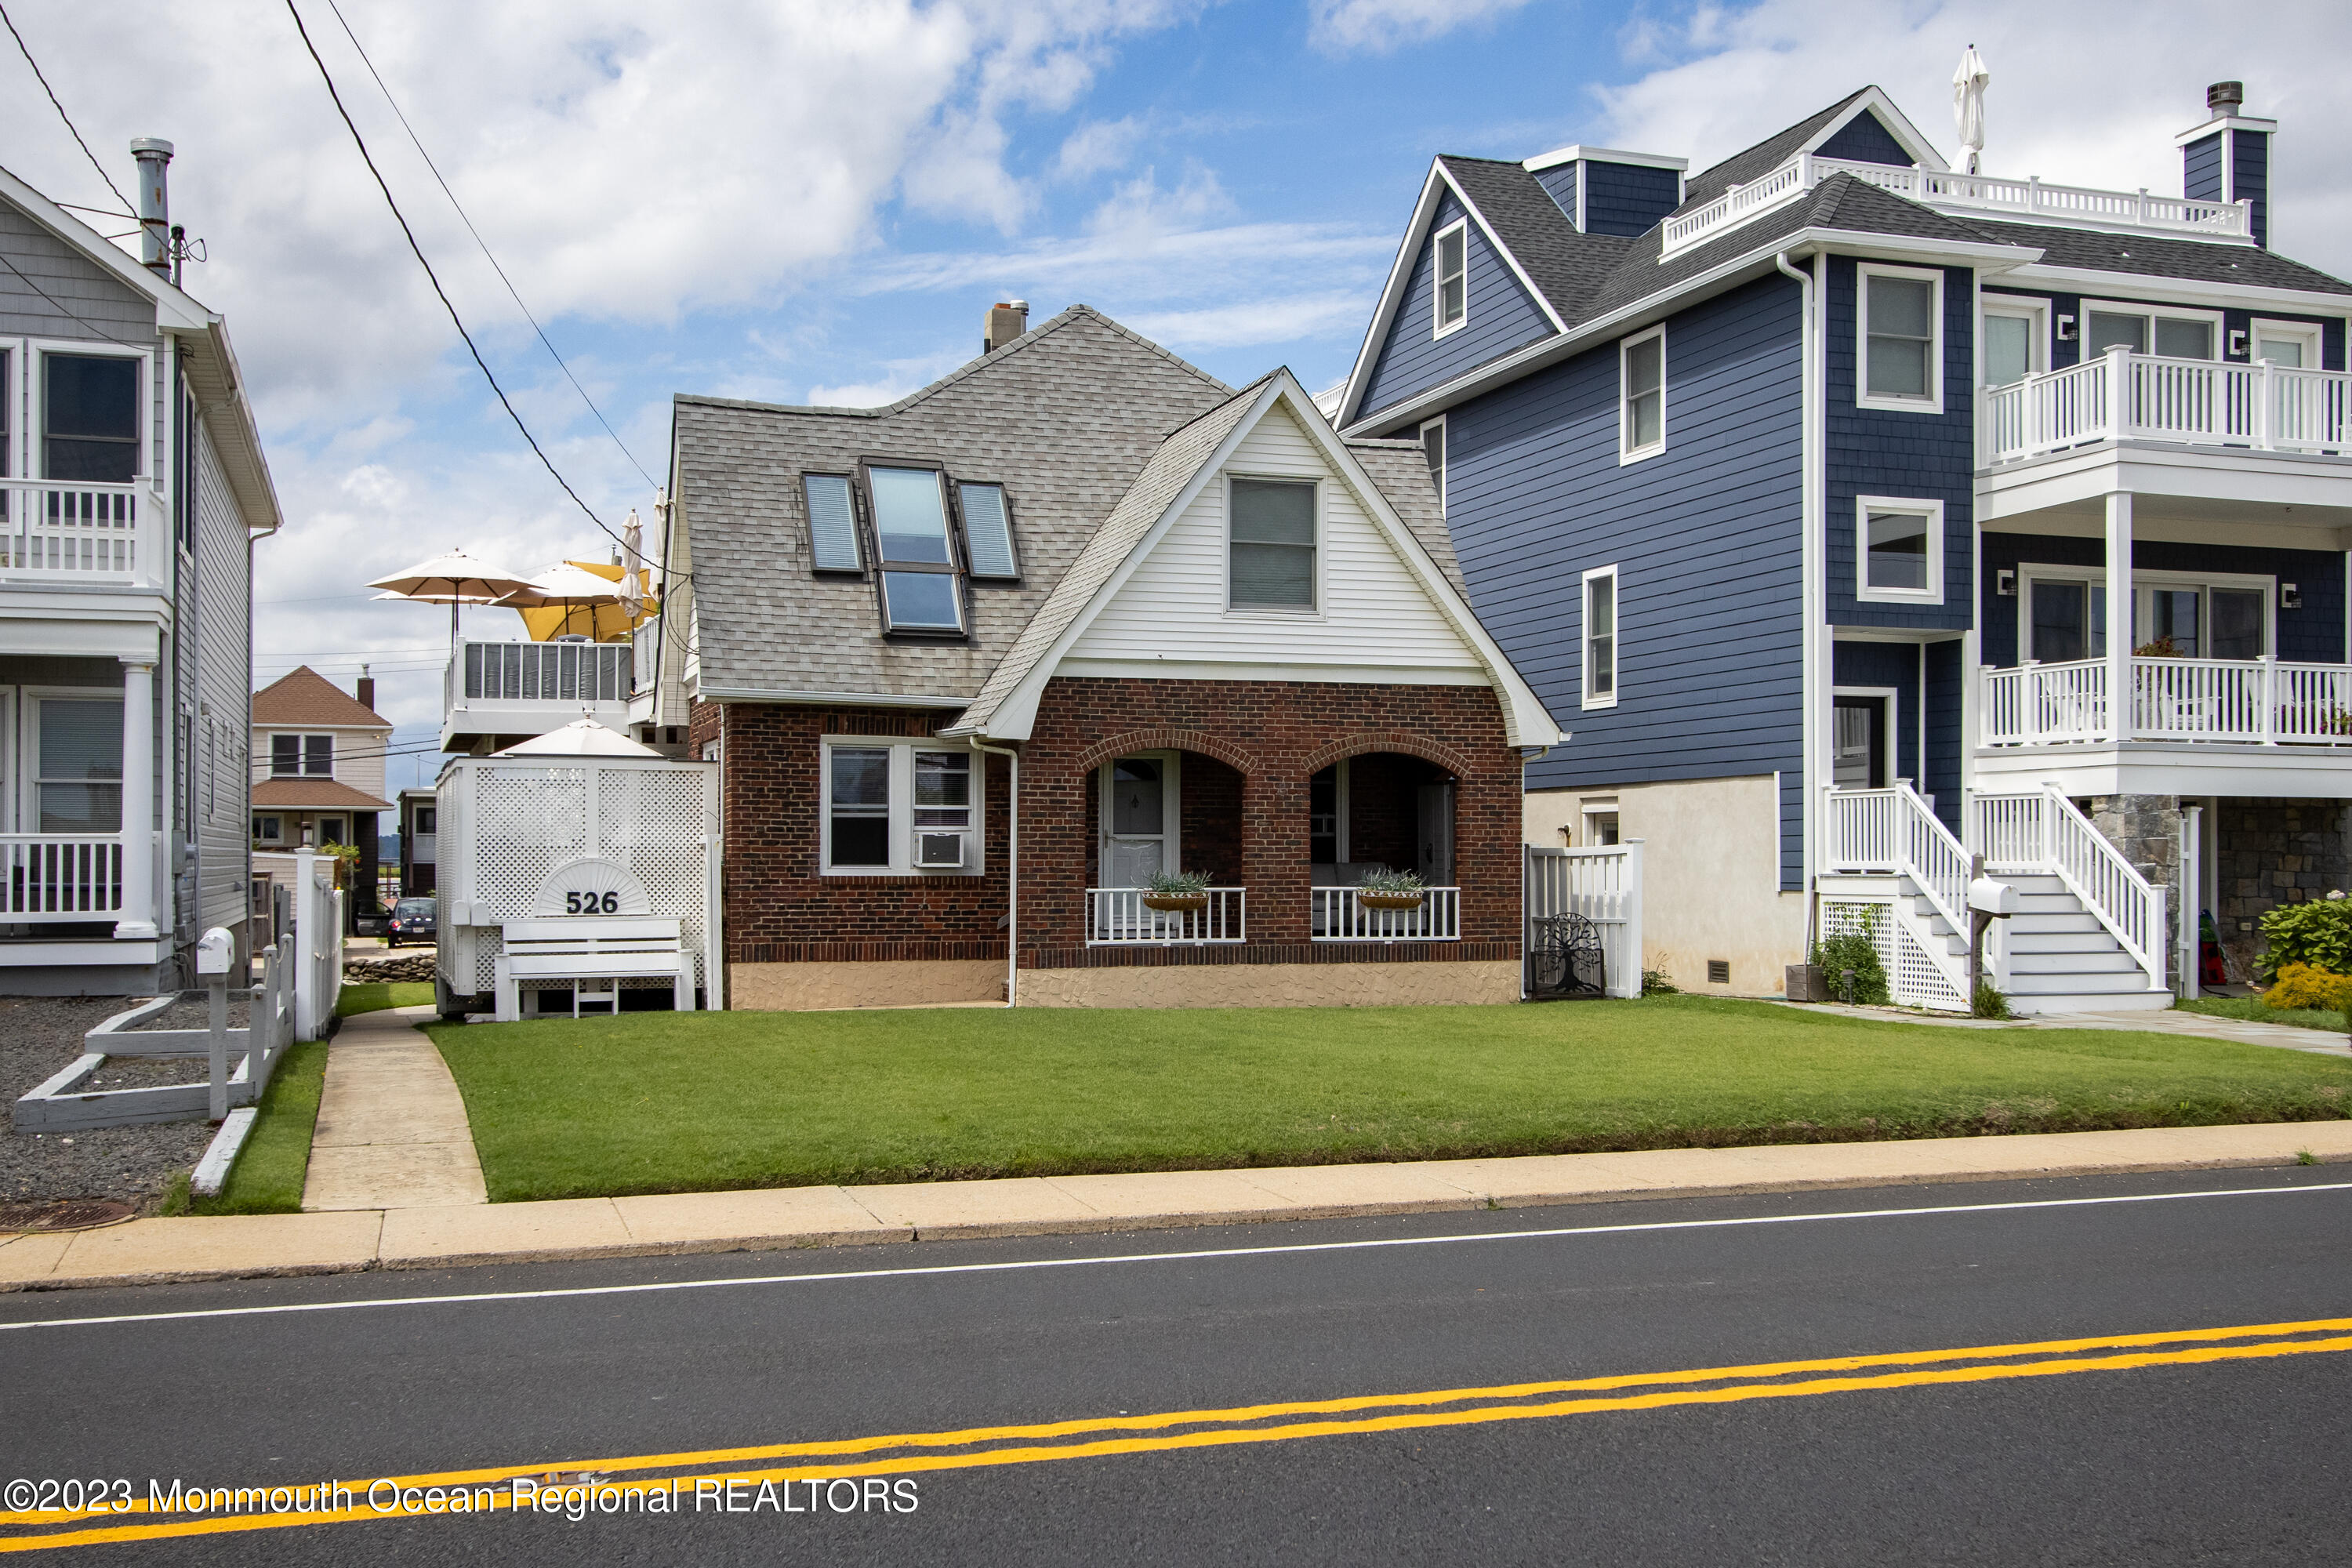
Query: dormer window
(1450,252)
(922,591)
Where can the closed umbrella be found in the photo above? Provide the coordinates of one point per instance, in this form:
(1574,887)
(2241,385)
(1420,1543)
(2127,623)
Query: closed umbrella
(453,580)
(633,582)
(1969,84)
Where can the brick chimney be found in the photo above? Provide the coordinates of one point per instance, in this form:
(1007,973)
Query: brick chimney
(365,689)
(1007,320)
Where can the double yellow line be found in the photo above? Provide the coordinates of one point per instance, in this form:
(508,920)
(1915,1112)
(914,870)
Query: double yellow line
(1095,1437)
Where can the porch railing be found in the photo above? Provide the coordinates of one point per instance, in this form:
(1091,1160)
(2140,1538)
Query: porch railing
(81,532)
(1119,916)
(1892,830)
(1339,914)
(51,879)
(2259,701)
(2041,831)
(568,673)
(2122,396)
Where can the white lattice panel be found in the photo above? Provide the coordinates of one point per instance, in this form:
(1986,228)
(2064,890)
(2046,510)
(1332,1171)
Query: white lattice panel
(653,824)
(1912,977)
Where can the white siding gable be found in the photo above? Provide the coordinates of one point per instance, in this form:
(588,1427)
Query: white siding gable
(1374,619)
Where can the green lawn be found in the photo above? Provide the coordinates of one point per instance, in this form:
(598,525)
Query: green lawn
(2260,1012)
(269,1170)
(655,1102)
(376,996)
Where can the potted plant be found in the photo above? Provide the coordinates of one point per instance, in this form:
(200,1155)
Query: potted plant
(1391,890)
(1178,892)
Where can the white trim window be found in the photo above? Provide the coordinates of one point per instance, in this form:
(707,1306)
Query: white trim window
(1433,448)
(301,756)
(1601,637)
(892,806)
(2290,345)
(90,413)
(1899,339)
(1899,550)
(1642,395)
(269,829)
(1273,528)
(1449,276)
(2012,340)
(2166,332)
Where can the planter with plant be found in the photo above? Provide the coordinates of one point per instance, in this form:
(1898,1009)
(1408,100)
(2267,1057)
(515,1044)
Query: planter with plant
(1391,890)
(1178,892)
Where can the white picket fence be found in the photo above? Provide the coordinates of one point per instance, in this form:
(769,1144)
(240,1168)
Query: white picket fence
(1605,886)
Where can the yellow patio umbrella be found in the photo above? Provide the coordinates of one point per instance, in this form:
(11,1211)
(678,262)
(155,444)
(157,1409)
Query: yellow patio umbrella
(576,598)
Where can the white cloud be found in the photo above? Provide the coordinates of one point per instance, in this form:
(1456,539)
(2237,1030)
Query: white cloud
(899,377)
(1140,210)
(1097,146)
(1254,321)
(1376,27)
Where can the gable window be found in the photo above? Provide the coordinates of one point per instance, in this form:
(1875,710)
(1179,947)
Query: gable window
(1450,255)
(899,807)
(2012,342)
(922,590)
(1433,448)
(1901,359)
(1642,395)
(2169,334)
(833,523)
(1270,554)
(90,417)
(988,532)
(1900,547)
(303,756)
(1601,637)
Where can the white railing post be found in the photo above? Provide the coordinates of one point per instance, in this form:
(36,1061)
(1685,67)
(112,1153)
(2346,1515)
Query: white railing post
(2265,404)
(1629,982)
(138,919)
(2267,684)
(2192,852)
(2119,417)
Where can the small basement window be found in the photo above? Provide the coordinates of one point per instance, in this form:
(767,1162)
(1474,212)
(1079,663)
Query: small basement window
(833,523)
(988,532)
(922,590)
(1272,549)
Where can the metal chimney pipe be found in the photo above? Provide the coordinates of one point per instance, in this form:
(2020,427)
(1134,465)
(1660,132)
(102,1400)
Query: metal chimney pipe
(2225,97)
(154,155)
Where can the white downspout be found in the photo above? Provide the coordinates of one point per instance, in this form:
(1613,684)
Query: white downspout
(1011,872)
(1816,607)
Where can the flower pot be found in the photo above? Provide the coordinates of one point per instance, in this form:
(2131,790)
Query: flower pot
(1390,900)
(1176,903)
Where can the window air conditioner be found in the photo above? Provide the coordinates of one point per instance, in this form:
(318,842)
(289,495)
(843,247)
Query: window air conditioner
(937,851)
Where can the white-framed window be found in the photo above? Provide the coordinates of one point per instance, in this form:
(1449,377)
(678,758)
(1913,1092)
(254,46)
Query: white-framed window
(89,414)
(1601,637)
(1272,530)
(1899,550)
(893,807)
(269,829)
(2012,340)
(1898,321)
(1601,821)
(75,740)
(2290,345)
(303,756)
(1432,447)
(1642,395)
(1449,257)
(2167,331)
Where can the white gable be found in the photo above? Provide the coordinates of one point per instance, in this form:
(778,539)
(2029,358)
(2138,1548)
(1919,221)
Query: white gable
(1375,620)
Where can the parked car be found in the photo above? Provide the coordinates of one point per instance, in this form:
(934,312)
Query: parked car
(411,920)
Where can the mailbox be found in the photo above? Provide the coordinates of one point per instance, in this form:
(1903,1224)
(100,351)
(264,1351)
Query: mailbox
(213,951)
(1988,897)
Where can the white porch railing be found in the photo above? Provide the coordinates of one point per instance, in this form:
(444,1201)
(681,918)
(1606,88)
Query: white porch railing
(2040,831)
(1605,886)
(45,878)
(86,532)
(1892,832)
(2256,701)
(1342,915)
(2121,396)
(571,673)
(1119,916)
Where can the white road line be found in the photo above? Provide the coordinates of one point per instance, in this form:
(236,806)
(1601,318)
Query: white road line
(1169,1257)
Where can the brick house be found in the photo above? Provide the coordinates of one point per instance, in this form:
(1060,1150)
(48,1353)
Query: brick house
(977,664)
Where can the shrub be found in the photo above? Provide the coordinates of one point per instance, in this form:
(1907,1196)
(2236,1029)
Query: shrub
(1856,948)
(1179,884)
(1655,982)
(1989,1002)
(2318,933)
(2301,985)
(1387,881)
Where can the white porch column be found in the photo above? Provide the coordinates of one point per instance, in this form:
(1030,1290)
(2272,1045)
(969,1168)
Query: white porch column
(138,921)
(2119,617)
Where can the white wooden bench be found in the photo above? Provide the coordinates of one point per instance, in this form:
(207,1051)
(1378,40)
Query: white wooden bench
(572,951)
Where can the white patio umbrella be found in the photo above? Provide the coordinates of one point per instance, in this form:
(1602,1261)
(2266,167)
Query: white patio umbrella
(566,587)
(633,582)
(1969,84)
(583,737)
(453,580)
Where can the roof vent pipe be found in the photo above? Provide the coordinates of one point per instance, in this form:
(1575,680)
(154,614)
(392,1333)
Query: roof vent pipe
(2226,97)
(154,155)
(1007,320)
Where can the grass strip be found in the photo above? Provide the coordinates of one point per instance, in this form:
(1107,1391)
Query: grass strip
(654,1102)
(2254,1009)
(269,1170)
(376,996)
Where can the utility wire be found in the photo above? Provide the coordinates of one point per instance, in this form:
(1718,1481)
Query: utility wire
(485,244)
(433,277)
(24,50)
(62,306)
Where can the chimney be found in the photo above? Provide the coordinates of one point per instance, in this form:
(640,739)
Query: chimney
(2227,158)
(1007,320)
(154,155)
(365,689)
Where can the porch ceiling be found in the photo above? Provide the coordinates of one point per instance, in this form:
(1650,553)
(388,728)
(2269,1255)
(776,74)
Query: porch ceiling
(2179,493)
(2155,767)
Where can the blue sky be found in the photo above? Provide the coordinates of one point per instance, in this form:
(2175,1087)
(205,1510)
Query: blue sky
(799,202)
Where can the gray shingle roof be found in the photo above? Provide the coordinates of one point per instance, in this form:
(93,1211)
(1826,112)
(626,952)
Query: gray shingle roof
(2150,255)
(1402,471)
(1744,168)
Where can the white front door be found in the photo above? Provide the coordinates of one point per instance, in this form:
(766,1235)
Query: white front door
(1138,819)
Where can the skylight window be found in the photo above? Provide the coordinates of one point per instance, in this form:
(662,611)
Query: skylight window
(922,590)
(988,532)
(833,523)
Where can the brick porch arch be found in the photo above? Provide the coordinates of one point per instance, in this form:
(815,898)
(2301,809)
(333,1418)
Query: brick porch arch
(1197,741)
(1421,746)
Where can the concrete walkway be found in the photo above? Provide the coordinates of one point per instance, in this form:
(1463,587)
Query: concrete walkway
(440,1235)
(2163,1021)
(391,1130)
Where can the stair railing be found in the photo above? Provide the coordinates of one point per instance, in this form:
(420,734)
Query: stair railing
(1893,831)
(2041,831)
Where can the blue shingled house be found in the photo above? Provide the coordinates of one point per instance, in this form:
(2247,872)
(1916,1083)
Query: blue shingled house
(1797,488)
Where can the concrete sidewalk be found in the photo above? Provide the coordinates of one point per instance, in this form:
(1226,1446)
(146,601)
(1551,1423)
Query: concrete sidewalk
(391,1130)
(156,1250)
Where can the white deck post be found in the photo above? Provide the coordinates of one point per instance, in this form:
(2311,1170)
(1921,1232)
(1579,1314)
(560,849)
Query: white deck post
(138,921)
(2119,617)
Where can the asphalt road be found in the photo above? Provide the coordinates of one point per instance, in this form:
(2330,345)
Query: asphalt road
(2234,1448)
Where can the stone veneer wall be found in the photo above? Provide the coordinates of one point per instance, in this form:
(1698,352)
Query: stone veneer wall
(2273,852)
(2147,829)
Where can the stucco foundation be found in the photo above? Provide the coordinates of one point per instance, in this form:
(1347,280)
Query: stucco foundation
(803,987)
(1273,986)
(1710,875)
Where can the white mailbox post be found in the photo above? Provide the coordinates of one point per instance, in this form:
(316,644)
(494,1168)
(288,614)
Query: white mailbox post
(1988,901)
(214,950)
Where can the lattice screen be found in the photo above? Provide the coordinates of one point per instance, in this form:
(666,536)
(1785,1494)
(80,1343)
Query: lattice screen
(1912,977)
(653,824)
(527,821)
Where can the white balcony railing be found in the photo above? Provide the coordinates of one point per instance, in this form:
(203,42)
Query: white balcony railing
(1119,916)
(48,878)
(2121,396)
(644,656)
(539,674)
(86,532)
(2029,199)
(1340,914)
(2259,702)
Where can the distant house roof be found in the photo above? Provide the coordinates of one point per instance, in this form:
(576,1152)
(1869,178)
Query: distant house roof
(314,794)
(303,696)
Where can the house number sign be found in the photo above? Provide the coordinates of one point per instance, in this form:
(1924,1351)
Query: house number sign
(593,886)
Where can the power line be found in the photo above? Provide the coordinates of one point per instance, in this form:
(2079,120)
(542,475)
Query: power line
(485,244)
(23,49)
(64,308)
(369,159)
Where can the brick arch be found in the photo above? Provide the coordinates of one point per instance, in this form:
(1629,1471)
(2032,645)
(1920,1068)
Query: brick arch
(1428,751)
(1207,745)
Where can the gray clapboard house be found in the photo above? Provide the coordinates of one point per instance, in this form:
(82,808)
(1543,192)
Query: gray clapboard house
(134,486)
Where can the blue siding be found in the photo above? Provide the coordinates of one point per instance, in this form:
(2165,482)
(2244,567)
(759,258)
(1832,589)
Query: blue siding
(1503,316)
(1895,664)
(1927,457)
(1559,182)
(1706,537)
(1940,777)
(2312,634)
(2201,168)
(1627,198)
(2251,177)
(1865,138)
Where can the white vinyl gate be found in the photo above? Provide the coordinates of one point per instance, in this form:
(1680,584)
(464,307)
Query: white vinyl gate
(1605,886)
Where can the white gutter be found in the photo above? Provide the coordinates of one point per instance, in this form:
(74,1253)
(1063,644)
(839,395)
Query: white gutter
(1012,873)
(1814,634)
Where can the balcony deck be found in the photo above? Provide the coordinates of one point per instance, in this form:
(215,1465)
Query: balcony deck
(2125,396)
(513,691)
